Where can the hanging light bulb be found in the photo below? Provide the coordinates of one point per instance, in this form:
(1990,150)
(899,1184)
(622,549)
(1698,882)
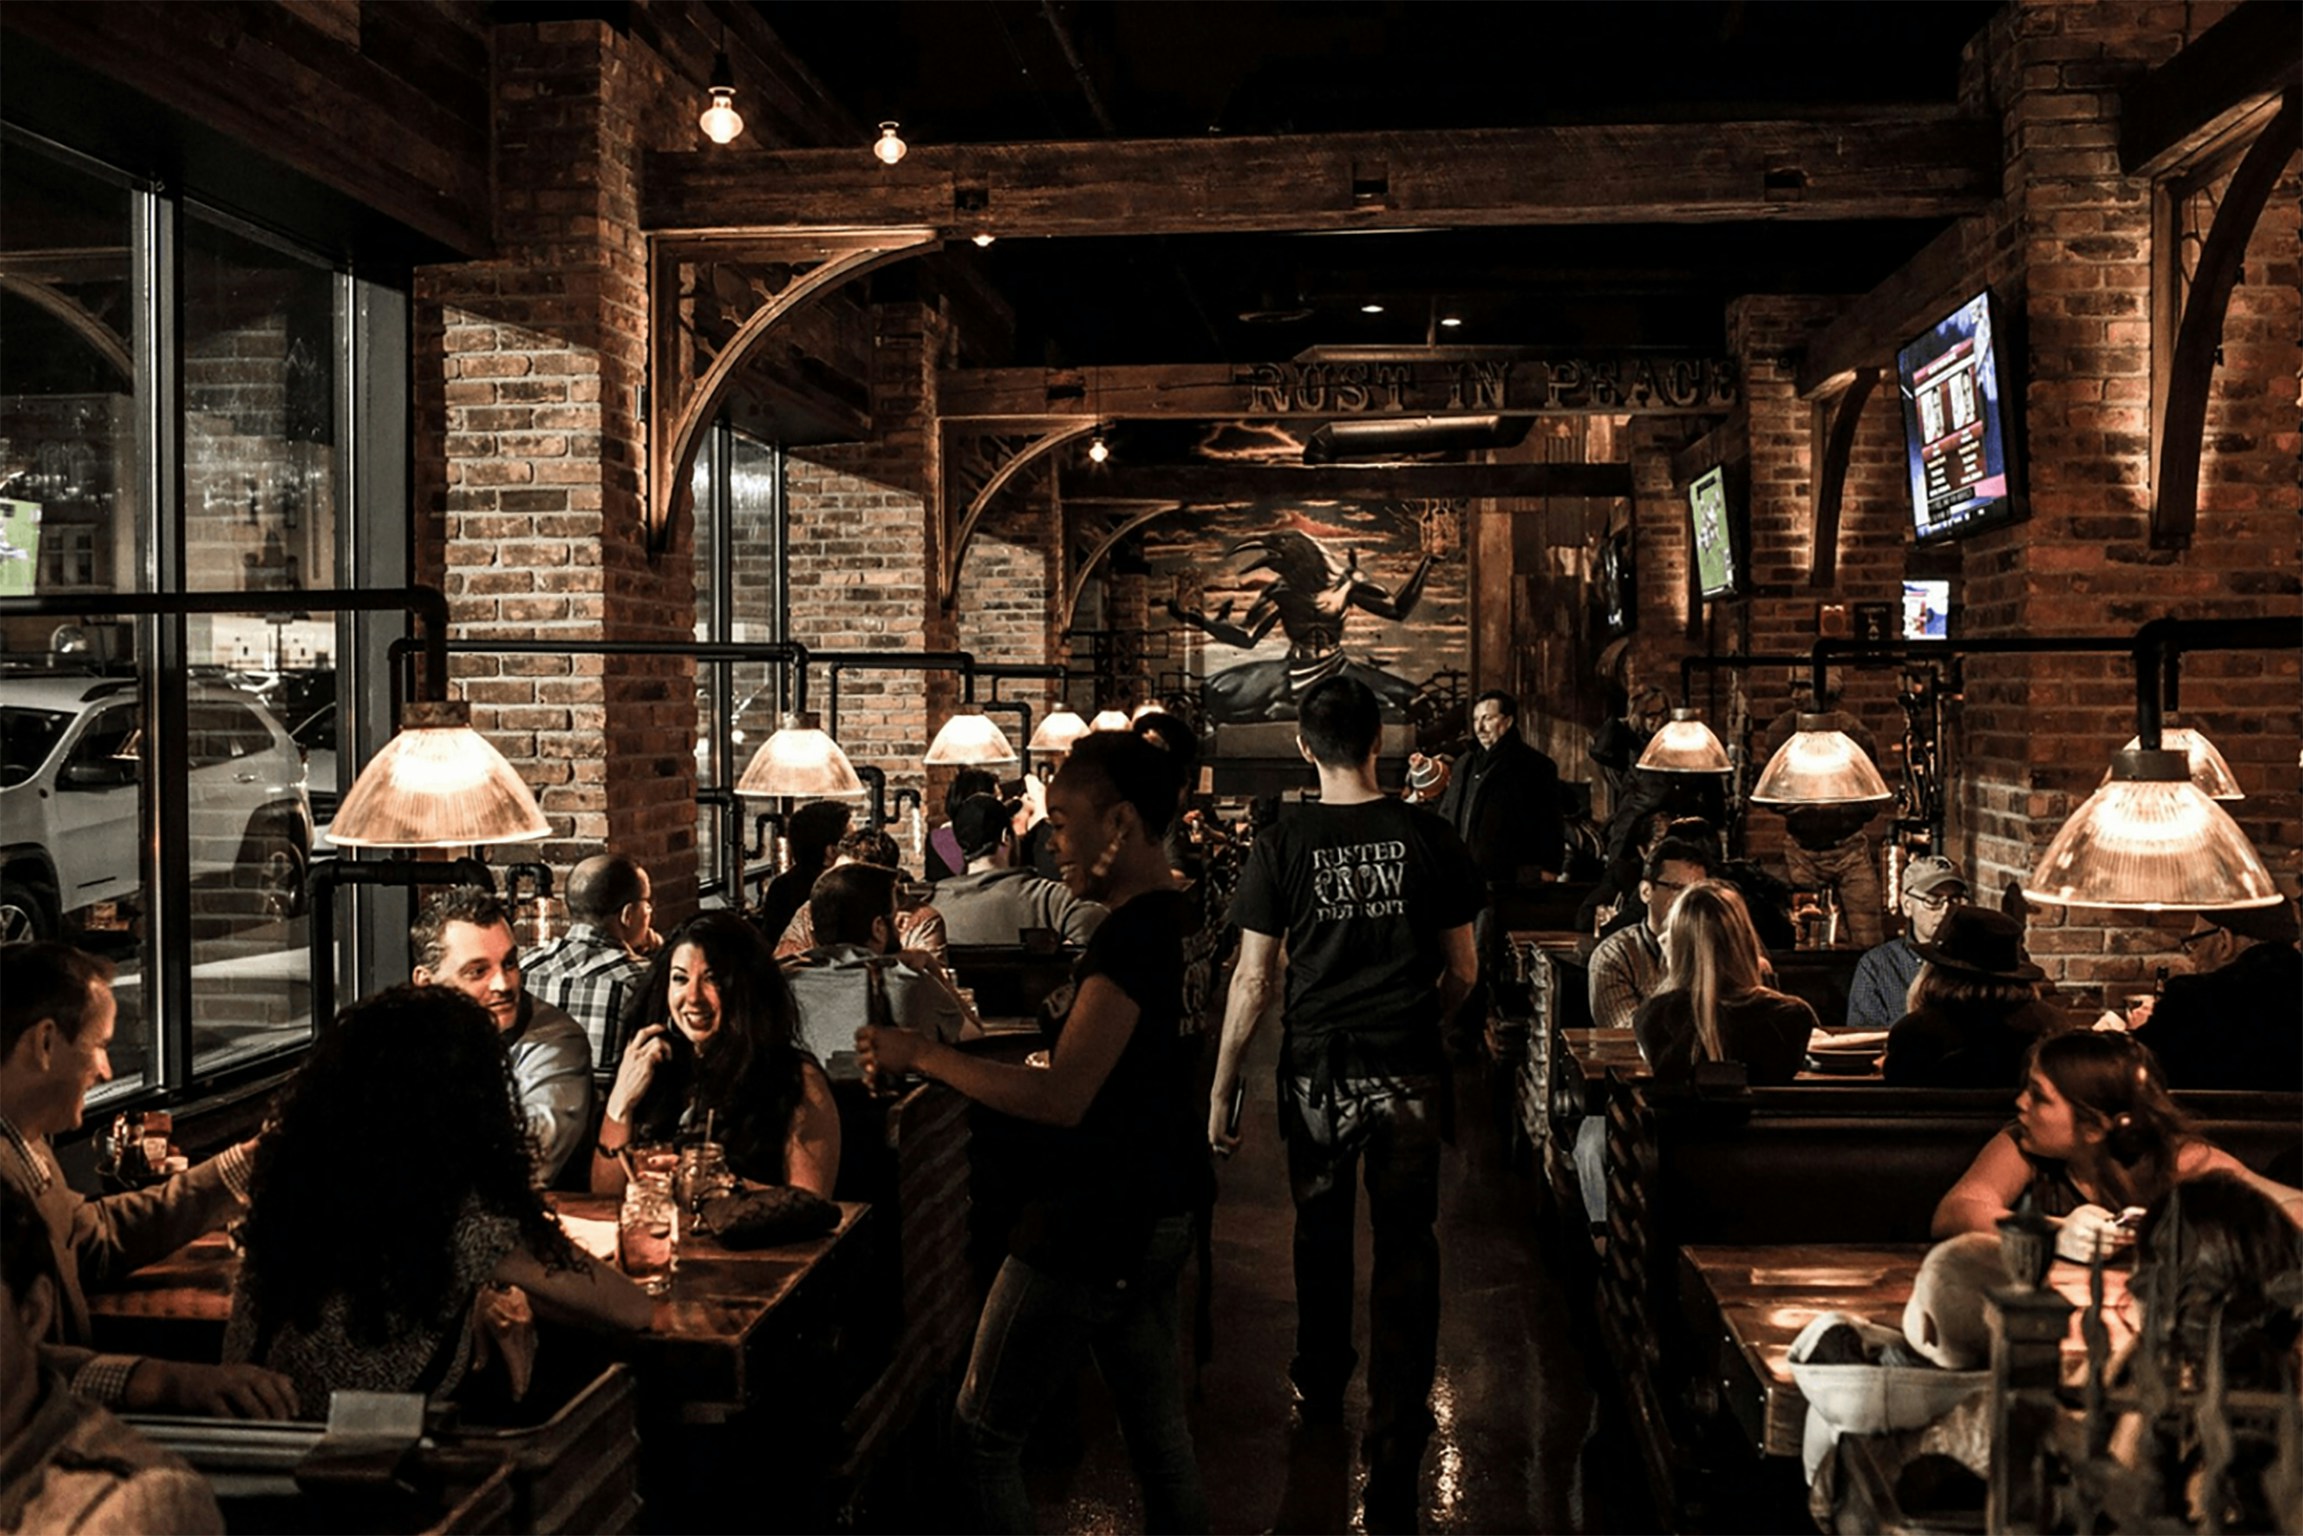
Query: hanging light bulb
(982,238)
(720,121)
(1686,745)
(2208,769)
(1058,731)
(1098,450)
(1111,720)
(889,146)
(437,784)
(1819,766)
(2151,840)
(800,759)
(970,737)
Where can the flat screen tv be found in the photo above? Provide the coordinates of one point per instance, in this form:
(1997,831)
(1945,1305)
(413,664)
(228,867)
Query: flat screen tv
(1926,609)
(1618,584)
(1718,551)
(1958,443)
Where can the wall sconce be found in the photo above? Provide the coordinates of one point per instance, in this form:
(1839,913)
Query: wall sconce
(720,121)
(1058,731)
(1819,766)
(969,737)
(889,147)
(1685,745)
(800,760)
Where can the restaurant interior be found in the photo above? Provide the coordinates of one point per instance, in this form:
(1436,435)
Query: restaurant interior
(443,441)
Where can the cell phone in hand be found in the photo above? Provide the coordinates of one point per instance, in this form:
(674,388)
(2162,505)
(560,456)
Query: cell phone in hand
(1238,1103)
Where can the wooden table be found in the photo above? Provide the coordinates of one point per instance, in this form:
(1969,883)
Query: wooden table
(1752,1302)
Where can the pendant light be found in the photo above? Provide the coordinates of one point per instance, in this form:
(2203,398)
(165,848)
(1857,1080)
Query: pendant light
(1685,745)
(1819,766)
(720,122)
(970,737)
(1058,731)
(2150,840)
(800,760)
(1111,720)
(889,147)
(2208,769)
(437,784)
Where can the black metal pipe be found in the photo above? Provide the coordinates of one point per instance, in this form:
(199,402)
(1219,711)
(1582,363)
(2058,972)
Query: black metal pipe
(325,875)
(1690,665)
(876,784)
(836,662)
(788,652)
(2158,644)
(1023,714)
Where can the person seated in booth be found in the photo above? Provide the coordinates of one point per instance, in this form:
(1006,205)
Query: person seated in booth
(68,1465)
(2094,1135)
(56,1018)
(2233,1022)
(1714,1004)
(1975,1007)
(919,926)
(393,1201)
(463,940)
(993,903)
(1881,991)
(714,1046)
(590,972)
(1627,967)
(816,829)
(854,908)
(944,857)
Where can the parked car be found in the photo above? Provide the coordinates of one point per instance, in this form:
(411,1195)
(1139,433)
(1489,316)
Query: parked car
(70,815)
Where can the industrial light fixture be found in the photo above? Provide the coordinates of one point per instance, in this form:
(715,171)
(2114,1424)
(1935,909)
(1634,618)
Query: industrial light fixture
(2208,769)
(801,760)
(1099,451)
(437,784)
(1058,731)
(720,121)
(2151,840)
(1111,720)
(968,738)
(889,146)
(1819,766)
(982,238)
(1685,745)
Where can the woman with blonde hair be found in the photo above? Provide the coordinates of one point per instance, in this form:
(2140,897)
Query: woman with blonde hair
(1715,1004)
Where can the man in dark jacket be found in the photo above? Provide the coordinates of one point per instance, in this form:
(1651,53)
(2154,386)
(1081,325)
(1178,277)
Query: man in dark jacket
(1502,798)
(2233,1022)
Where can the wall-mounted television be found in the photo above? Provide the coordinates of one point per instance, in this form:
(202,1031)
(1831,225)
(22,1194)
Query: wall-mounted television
(1618,584)
(1926,609)
(1718,542)
(1958,437)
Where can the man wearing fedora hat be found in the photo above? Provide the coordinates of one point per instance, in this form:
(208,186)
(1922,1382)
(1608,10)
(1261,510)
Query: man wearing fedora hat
(1975,1010)
(1932,886)
(2237,1020)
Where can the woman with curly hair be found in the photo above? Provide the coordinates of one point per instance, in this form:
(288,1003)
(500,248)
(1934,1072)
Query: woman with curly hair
(714,1044)
(394,1182)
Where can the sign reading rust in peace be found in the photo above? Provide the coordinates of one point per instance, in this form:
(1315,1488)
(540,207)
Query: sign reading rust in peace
(1625,382)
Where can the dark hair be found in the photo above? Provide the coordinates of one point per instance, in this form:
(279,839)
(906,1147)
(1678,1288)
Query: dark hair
(2113,1082)
(747,1072)
(1693,829)
(870,845)
(813,829)
(847,898)
(1953,990)
(2217,1247)
(402,1120)
(1339,720)
(966,784)
(1173,734)
(26,1251)
(46,980)
(603,885)
(1122,766)
(1677,850)
(1501,700)
(456,904)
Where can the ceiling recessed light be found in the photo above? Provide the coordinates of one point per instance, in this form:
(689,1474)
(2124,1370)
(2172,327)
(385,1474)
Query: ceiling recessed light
(1371,309)
(1451,321)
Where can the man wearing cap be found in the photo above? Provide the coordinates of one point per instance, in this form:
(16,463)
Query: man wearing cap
(993,903)
(1932,886)
(2234,1021)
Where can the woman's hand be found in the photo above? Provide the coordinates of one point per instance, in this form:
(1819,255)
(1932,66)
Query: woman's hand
(2089,1231)
(650,1049)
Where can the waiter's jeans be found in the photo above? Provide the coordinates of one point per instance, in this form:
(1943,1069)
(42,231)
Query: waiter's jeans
(1847,866)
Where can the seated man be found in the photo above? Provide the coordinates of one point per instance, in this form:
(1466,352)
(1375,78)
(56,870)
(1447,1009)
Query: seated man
(815,829)
(463,940)
(2232,1022)
(919,927)
(994,904)
(1876,998)
(69,1465)
(56,1018)
(1627,967)
(591,971)
(854,911)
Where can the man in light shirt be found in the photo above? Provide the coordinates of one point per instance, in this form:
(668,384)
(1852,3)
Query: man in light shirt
(1627,967)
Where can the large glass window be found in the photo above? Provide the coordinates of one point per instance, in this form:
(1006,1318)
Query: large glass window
(739,597)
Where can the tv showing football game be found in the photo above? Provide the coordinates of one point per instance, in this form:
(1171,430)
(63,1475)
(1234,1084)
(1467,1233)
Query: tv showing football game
(1956,420)
(1717,571)
(1926,610)
(1618,584)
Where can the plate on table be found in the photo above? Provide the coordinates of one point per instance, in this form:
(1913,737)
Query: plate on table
(1850,1053)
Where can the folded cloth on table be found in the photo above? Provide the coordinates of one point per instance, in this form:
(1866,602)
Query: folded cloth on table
(761,1218)
(1891,1388)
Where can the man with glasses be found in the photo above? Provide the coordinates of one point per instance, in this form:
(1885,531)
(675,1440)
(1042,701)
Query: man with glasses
(1932,886)
(2232,1022)
(1627,967)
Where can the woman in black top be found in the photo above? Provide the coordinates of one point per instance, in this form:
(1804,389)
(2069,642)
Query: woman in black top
(1094,1262)
(1974,1011)
(1714,1005)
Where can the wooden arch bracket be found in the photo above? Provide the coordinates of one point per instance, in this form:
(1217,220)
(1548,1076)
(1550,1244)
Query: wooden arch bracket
(986,465)
(2183,416)
(783,272)
(1076,581)
(1836,422)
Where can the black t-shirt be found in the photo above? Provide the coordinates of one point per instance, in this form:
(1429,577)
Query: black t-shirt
(1361,894)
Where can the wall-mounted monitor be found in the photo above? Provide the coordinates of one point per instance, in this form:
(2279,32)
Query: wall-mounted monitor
(1958,437)
(1926,609)
(1618,584)
(1718,543)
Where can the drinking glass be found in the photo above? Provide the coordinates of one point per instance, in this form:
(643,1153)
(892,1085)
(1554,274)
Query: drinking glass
(648,1232)
(704,1173)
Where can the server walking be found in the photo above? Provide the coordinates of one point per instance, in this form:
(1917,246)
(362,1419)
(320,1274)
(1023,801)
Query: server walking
(1371,901)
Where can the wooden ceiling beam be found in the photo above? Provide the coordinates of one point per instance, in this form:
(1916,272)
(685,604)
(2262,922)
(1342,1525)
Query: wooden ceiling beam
(1867,333)
(1916,163)
(1210,484)
(2199,98)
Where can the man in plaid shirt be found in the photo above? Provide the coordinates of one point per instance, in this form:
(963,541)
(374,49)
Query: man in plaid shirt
(593,969)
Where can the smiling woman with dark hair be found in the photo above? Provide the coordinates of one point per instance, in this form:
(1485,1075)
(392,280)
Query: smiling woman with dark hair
(395,1181)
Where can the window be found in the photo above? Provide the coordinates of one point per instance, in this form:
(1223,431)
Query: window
(740,597)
